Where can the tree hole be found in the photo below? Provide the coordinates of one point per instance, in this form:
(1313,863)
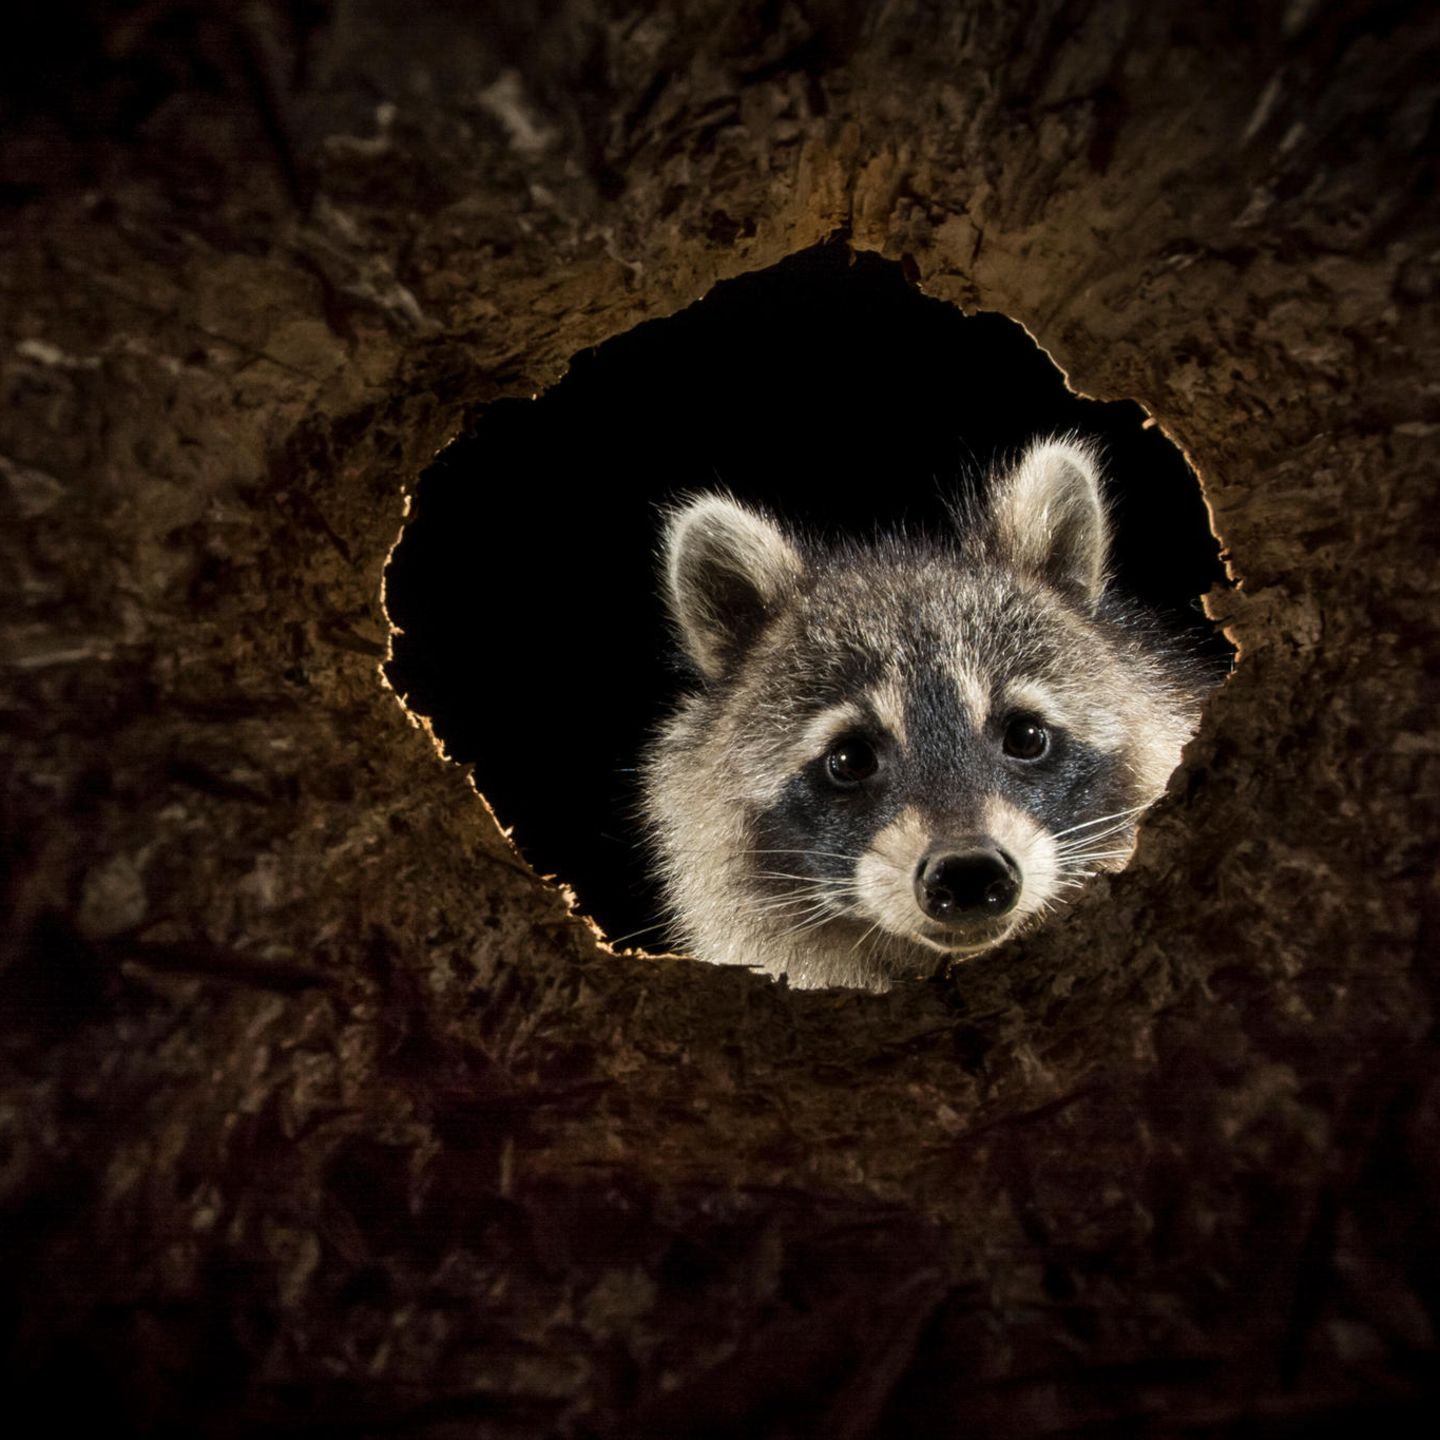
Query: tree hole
(827,388)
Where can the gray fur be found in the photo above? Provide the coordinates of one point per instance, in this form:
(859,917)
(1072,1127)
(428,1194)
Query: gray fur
(924,657)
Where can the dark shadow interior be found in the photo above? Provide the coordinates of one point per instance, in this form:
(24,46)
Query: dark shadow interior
(826,387)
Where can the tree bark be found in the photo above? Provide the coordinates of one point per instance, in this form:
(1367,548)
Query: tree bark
(322,1112)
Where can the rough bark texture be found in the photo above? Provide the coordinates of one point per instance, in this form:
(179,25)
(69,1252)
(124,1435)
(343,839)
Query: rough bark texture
(321,1112)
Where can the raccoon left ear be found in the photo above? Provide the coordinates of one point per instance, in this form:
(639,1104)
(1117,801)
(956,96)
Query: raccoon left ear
(726,569)
(1049,518)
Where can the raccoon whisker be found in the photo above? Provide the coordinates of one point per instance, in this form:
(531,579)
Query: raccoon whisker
(711,852)
(864,937)
(789,922)
(1110,839)
(635,934)
(811,879)
(1086,856)
(813,922)
(1067,859)
(820,911)
(1099,820)
(814,925)
(877,945)
(788,902)
(817,914)
(807,926)
(765,906)
(829,854)
(812,890)
(1113,828)
(1076,841)
(792,902)
(1107,841)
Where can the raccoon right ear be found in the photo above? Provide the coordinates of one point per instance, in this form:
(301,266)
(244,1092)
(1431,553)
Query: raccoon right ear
(1049,518)
(725,569)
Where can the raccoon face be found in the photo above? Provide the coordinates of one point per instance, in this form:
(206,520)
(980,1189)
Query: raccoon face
(901,751)
(951,796)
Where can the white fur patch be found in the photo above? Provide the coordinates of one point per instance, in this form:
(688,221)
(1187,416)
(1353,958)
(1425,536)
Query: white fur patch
(886,873)
(974,693)
(1033,698)
(888,702)
(820,730)
(1032,849)
(1097,728)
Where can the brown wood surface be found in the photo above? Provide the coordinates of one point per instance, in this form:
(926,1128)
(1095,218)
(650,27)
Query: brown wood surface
(319,1112)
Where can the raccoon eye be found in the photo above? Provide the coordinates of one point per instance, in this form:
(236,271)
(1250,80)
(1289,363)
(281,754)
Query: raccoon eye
(849,761)
(1025,738)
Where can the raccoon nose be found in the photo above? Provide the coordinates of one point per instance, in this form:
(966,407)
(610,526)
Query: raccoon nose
(968,884)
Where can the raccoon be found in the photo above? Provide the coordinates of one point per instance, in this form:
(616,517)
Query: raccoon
(909,751)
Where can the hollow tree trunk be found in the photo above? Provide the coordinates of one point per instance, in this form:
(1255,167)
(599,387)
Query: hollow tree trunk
(321,1111)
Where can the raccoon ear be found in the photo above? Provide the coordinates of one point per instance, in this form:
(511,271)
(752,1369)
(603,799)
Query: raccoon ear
(725,569)
(1049,518)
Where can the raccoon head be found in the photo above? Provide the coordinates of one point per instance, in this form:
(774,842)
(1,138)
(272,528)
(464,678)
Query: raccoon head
(904,750)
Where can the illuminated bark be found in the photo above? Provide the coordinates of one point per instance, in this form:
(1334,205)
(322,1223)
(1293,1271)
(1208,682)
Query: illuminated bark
(319,1109)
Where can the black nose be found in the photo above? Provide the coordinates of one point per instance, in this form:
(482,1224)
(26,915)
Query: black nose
(970,884)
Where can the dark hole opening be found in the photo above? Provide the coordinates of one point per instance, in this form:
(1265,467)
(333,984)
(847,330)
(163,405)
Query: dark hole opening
(827,388)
